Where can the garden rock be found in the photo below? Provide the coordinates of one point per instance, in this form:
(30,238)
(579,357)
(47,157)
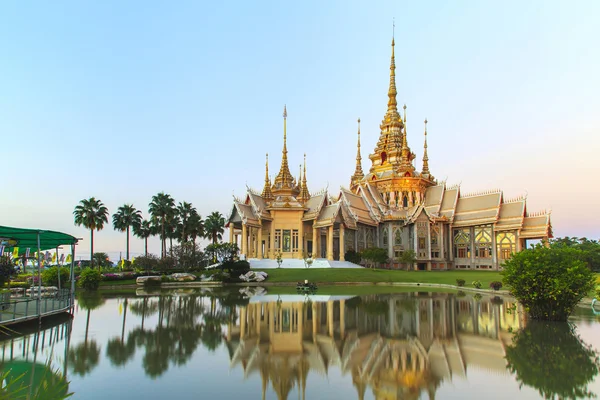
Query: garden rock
(254,276)
(142,279)
(183,277)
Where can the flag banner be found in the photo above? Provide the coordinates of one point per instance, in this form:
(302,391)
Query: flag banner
(62,258)
(79,264)
(69,258)
(1,250)
(27,252)
(132,260)
(53,258)
(15,253)
(48,256)
(24,263)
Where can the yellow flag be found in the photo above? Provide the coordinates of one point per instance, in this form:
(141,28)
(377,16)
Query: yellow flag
(15,252)
(68,258)
(120,308)
(54,257)
(132,260)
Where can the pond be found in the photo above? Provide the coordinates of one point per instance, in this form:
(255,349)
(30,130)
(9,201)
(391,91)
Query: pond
(248,344)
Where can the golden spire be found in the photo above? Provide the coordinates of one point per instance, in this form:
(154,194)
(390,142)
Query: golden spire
(266,193)
(404,137)
(284,179)
(304,193)
(392,103)
(358,172)
(425,157)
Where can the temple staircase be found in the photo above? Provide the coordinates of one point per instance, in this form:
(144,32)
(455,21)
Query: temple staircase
(260,264)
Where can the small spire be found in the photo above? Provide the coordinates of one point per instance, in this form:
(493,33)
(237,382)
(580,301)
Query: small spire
(392,103)
(284,179)
(358,172)
(304,193)
(266,193)
(425,157)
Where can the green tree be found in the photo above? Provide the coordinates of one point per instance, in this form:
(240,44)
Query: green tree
(85,356)
(126,217)
(408,258)
(374,256)
(162,211)
(185,212)
(144,231)
(214,226)
(552,358)
(91,214)
(102,260)
(548,281)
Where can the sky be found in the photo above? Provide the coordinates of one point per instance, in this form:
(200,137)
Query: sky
(122,100)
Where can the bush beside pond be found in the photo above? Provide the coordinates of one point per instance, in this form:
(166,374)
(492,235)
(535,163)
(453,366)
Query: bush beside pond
(549,282)
(89,279)
(50,276)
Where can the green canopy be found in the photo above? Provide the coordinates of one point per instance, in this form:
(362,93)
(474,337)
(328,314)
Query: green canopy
(28,239)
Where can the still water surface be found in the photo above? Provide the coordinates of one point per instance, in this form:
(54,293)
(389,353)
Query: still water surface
(227,345)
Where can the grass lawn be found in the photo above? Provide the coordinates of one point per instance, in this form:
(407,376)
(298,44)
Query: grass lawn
(381,275)
(357,290)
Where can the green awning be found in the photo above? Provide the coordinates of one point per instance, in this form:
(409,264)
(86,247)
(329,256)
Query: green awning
(28,239)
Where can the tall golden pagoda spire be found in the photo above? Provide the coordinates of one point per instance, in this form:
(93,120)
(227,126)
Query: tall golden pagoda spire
(266,193)
(392,103)
(405,150)
(284,179)
(425,157)
(304,193)
(358,172)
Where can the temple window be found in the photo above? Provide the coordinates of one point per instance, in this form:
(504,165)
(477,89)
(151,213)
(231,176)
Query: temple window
(370,238)
(483,241)
(385,240)
(506,244)
(398,237)
(405,201)
(278,239)
(462,243)
(295,240)
(287,238)
(383,157)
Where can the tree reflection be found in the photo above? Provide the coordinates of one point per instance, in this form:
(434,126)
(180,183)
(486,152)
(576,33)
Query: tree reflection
(85,356)
(552,358)
(118,351)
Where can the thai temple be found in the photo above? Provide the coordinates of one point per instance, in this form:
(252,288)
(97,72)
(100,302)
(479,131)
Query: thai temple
(394,346)
(393,205)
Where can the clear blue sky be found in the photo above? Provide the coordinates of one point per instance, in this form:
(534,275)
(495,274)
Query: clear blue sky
(121,100)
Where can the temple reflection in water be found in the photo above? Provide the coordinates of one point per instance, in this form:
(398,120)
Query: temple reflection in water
(397,346)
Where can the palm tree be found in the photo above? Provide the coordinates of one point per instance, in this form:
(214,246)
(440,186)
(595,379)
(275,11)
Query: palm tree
(144,230)
(92,214)
(127,216)
(214,226)
(161,209)
(185,212)
(196,230)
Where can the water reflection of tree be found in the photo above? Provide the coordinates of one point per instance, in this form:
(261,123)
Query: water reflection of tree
(85,356)
(119,351)
(552,358)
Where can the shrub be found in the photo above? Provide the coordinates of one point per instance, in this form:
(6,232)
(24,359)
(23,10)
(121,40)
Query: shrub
(352,256)
(165,264)
(146,263)
(374,256)
(548,282)
(496,285)
(20,285)
(89,279)
(236,268)
(50,276)
(7,269)
(477,296)
(476,284)
(460,282)
(120,277)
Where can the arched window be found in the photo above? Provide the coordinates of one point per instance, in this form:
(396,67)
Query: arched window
(398,237)
(385,237)
(405,201)
(383,157)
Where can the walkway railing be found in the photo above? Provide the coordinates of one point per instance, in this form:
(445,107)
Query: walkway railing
(31,307)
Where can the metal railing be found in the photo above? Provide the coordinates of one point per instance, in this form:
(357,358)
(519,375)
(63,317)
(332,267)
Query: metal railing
(30,307)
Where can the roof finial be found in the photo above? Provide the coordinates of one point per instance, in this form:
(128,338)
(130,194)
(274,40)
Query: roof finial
(266,193)
(284,179)
(304,193)
(392,103)
(358,172)
(425,157)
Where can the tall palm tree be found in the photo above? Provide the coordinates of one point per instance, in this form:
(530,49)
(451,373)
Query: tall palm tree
(92,214)
(214,226)
(144,230)
(196,230)
(185,212)
(161,209)
(127,216)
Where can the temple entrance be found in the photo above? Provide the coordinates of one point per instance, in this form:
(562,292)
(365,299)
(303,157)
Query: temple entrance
(309,248)
(336,248)
(421,266)
(323,243)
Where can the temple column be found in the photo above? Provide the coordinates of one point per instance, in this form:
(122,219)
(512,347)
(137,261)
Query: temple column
(272,240)
(301,240)
(244,240)
(260,246)
(242,322)
(391,241)
(393,199)
(231,233)
(330,243)
(410,199)
(315,241)
(342,245)
(494,251)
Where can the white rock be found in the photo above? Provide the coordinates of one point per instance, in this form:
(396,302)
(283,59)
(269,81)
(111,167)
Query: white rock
(140,280)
